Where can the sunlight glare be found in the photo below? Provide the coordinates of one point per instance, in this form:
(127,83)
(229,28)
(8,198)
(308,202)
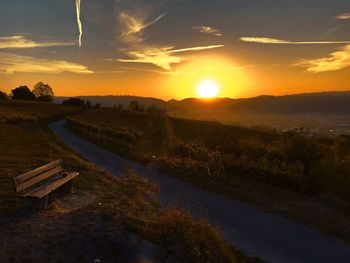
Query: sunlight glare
(208,89)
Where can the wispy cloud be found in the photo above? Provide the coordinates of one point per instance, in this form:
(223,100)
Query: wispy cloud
(151,56)
(133,27)
(266,40)
(337,60)
(162,57)
(80,26)
(133,23)
(12,63)
(11,42)
(200,48)
(207,30)
(345,16)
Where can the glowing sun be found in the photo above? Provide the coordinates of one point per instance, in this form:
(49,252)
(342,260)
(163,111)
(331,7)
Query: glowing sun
(207,89)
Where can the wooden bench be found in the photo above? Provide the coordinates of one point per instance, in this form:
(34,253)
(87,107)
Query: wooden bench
(36,185)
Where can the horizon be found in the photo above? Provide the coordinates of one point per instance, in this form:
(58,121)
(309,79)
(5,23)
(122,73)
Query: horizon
(213,98)
(239,49)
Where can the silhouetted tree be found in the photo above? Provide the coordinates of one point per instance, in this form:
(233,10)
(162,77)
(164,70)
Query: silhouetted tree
(161,126)
(3,96)
(43,92)
(305,150)
(135,106)
(22,93)
(120,106)
(74,102)
(342,147)
(97,106)
(88,104)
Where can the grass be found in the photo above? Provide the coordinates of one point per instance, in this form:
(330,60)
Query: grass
(325,212)
(109,210)
(19,111)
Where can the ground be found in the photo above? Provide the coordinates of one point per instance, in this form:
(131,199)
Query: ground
(108,218)
(326,212)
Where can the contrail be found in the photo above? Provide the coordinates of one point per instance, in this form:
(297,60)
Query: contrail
(80,27)
(265,40)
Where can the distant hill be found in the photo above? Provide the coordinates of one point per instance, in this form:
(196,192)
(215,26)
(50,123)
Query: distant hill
(110,101)
(191,104)
(337,103)
(245,111)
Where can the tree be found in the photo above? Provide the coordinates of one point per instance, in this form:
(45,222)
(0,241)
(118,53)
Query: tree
(22,93)
(43,92)
(3,96)
(160,126)
(305,150)
(97,106)
(120,106)
(88,104)
(135,106)
(342,147)
(74,102)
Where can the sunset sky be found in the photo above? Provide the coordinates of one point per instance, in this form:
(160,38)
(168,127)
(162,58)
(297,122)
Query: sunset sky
(165,48)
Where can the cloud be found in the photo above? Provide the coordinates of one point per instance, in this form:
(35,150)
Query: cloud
(162,57)
(12,63)
(133,27)
(155,57)
(133,22)
(80,27)
(193,49)
(207,30)
(337,60)
(265,40)
(345,16)
(12,42)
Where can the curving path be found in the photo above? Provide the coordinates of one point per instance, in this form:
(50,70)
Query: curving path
(270,237)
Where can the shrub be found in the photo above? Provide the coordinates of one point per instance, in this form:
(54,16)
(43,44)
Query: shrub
(3,96)
(186,239)
(74,102)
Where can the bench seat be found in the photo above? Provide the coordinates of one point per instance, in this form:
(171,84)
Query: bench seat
(50,186)
(41,181)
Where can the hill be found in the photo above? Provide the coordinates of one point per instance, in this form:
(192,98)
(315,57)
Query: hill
(337,103)
(324,112)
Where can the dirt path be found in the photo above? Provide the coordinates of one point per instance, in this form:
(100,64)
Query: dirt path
(272,238)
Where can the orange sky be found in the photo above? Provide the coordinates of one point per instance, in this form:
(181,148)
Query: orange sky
(142,48)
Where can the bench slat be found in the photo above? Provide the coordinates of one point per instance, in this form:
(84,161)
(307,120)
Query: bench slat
(22,186)
(30,174)
(49,187)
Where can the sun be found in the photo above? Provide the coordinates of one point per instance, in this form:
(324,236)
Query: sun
(207,89)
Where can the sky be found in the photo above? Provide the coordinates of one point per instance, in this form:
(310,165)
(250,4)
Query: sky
(165,48)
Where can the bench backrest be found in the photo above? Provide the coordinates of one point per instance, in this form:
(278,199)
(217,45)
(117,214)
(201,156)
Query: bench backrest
(29,179)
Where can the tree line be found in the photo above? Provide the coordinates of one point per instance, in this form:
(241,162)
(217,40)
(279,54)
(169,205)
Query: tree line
(40,92)
(44,93)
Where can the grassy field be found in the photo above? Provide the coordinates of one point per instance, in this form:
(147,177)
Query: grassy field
(12,111)
(195,141)
(101,220)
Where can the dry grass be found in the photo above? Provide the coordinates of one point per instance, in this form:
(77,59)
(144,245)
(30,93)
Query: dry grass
(18,111)
(326,213)
(97,229)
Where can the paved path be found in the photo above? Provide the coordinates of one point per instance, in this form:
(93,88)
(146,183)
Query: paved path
(270,237)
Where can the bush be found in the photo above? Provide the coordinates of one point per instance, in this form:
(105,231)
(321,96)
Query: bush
(186,239)
(74,102)
(3,96)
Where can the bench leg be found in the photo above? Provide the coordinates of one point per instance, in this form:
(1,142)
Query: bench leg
(68,188)
(46,201)
(36,203)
